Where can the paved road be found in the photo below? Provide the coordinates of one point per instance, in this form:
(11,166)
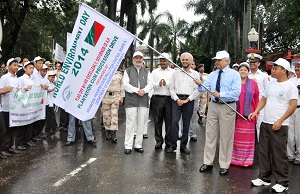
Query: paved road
(52,167)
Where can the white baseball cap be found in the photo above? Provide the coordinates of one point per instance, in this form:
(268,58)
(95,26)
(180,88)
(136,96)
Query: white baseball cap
(38,58)
(48,62)
(235,65)
(164,56)
(45,66)
(17,59)
(138,53)
(221,55)
(245,64)
(281,62)
(28,63)
(51,73)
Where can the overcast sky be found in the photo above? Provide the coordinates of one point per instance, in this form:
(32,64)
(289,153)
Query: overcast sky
(177,9)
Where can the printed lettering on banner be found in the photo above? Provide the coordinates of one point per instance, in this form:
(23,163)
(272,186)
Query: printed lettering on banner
(96,48)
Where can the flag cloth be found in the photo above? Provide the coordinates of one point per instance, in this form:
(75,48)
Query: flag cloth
(97,47)
(59,53)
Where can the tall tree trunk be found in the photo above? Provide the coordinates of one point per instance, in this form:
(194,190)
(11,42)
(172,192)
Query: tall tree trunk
(151,43)
(112,9)
(246,25)
(237,35)
(122,12)
(18,24)
(131,25)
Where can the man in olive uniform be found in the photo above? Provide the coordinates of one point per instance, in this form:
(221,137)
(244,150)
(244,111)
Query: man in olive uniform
(110,106)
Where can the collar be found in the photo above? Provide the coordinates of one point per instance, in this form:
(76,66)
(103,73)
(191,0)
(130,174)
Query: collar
(11,75)
(26,76)
(257,72)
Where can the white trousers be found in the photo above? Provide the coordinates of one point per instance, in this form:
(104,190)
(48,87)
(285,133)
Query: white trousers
(293,146)
(135,121)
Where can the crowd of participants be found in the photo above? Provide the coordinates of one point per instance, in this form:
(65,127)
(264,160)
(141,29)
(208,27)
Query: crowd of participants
(181,99)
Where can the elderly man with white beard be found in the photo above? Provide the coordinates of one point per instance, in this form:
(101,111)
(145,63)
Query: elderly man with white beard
(137,83)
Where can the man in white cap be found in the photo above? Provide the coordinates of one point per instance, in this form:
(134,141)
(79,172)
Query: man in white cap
(225,84)
(273,137)
(137,84)
(161,100)
(38,81)
(293,148)
(262,80)
(235,66)
(9,79)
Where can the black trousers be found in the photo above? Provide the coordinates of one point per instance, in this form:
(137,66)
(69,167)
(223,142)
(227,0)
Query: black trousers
(2,128)
(51,120)
(162,110)
(24,134)
(186,110)
(38,126)
(272,154)
(63,118)
(10,133)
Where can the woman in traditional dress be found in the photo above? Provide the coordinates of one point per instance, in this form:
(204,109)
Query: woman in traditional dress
(244,134)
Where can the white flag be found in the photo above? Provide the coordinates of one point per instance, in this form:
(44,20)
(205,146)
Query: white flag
(97,47)
(59,53)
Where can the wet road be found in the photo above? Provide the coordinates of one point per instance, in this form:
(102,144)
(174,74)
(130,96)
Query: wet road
(51,167)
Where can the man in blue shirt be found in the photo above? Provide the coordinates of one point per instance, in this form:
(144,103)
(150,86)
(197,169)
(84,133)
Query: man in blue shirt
(225,84)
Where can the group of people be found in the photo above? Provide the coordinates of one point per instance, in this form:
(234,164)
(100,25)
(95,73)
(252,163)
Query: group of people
(239,102)
(235,102)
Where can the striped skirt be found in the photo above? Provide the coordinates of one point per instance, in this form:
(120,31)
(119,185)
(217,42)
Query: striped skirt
(244,143)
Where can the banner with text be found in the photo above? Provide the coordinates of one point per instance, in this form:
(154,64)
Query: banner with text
(59,53)
(26,106)
(97,47)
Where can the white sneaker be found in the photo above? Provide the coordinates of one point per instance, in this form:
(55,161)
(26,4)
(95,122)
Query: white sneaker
(279,188)
(258,182)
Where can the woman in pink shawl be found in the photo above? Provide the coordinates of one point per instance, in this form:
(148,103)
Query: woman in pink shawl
(244,134)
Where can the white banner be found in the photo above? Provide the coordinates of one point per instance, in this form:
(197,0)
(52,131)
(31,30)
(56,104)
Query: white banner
(97,47)
(69,36)
(26,106)
(59,53)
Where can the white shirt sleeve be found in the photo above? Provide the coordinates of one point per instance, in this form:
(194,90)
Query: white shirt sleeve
(127,86)
(149,86)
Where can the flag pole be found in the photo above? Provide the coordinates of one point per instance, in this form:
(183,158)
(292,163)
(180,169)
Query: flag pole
(190,76)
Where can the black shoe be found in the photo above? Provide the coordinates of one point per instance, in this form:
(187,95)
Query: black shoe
(108,135)
(185,150)
(205,168)
(21,148)
(200,122)
(3,157)
(114,136)
(43,136)
(92,142)
(37,139)
(30,144)
(127,151)
(139,150)
(223,171)
(158,146)
(69,143)
(145,136)
(53,131)
(170,150)
(194,139)
(5,153)
(63,129)
(167,146)
(13,151)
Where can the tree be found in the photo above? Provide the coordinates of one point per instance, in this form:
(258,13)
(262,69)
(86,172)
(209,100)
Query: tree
(174,30)
(154,29)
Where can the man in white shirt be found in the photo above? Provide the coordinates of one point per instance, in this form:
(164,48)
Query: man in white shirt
(183,92)
(137,84)
(280,101)
(161,100)
(262,80)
